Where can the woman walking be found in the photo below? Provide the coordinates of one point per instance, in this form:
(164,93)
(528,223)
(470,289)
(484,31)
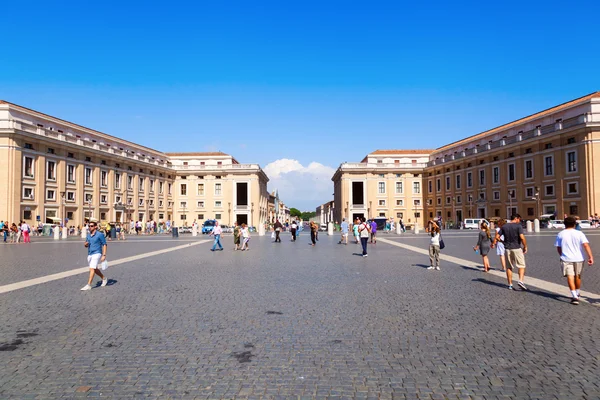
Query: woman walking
(355,230)
(13,232)
(236,236)
(500,251)
(313,233)
(364,229)
(484,243)
(434,249)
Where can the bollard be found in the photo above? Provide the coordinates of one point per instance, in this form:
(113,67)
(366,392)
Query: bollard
(536,225)
(416,229)
(398,229)
(195,230)
(56,232)
(330,229)
(261,230)
(65,232)
(84,232)
(529,226)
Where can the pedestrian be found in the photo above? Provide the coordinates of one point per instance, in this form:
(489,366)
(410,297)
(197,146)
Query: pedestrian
(5,231)
(216,232)
(500,251)
(96,245)
(313,233)
(344,230)
(364,230)
(245,237)
(19,232)
(355,230)
(236,236)
(515,246)
(293,230)
(40,228)
(484,243)
(402,227)
(568,245)
(26,230)
(13,232)
(434,249)
(373,232)
(278,227)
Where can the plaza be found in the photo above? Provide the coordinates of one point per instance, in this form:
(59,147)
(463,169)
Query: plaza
(293,321)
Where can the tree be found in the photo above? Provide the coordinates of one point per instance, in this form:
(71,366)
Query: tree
(294,212)
(306,215)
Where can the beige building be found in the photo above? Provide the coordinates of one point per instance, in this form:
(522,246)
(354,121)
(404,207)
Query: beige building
(216,186)
(540,164)
(324,213)
(386,183)
(52,169)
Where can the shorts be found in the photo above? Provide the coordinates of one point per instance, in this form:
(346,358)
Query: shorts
(373,234)
(570,268)
(345,234)
(500,249)
(94,260)
(236,240)
(515,258)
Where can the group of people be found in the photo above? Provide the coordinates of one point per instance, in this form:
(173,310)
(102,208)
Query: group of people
(362,230)
(241,237)
(511,246)
(12,233)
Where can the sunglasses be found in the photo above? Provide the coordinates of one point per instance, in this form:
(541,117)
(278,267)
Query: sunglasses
(93,225)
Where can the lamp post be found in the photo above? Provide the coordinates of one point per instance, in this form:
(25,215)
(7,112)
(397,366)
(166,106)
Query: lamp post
(369,210)
(64,207)
(89,202)
(229,210)
(536,197)
(470,198)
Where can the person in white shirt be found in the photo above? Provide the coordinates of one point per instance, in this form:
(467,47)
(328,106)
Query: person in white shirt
(245,237)
(25,229)
(434,249)
(216,232)
(568,244)
(364,230)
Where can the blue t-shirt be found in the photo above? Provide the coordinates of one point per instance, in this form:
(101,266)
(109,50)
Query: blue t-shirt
(373,227)
(95,243)
(344,227)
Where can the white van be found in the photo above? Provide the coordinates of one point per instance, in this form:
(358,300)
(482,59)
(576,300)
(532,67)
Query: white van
(474,223)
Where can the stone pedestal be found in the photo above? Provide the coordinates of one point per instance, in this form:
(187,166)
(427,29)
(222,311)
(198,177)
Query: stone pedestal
(529,226)
(417,229)
(195,230)
(536,225)
(330,229)
(84,232)
(398,229)
(65,232)
(261,230)
(56,232)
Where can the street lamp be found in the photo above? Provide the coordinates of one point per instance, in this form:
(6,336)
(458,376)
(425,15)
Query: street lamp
(229,210)
(470,198)
(536,197)
(510,197)
(89,202)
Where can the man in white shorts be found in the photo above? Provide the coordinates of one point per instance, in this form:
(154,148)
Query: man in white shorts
(568,244)
(344,229)
(96,245)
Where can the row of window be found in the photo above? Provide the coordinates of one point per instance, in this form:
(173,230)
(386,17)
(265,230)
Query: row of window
(200,204)
(200,189)
(201,217)
(52,195)
(399,202)
(51,167)
(381,189)
(572,189)
(571,167)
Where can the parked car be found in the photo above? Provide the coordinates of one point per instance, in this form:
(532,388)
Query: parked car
(323,227)
(208,226)
(474,223)
(585,224)
(185,229)
(227,229)
(556,224)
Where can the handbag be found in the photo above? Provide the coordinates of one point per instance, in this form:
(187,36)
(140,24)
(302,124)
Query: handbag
(104,265)
(442,244)
(273,235)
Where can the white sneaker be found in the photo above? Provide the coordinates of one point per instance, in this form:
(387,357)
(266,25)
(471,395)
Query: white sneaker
(86,287)
(430,268)
(438,268)
(104,282)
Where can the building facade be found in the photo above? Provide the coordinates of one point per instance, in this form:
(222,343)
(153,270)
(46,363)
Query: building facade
(53,170)
(540,164)
(324,213)
(386,183)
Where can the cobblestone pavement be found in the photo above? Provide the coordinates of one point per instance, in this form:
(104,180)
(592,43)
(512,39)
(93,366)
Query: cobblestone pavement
(292,321)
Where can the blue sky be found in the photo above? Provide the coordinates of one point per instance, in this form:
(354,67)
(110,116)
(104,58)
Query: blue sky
(322,82)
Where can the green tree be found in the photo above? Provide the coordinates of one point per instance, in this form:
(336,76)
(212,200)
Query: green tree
(294,212)
(306,215)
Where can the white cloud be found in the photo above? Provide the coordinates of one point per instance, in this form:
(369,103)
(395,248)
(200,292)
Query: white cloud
(299,186)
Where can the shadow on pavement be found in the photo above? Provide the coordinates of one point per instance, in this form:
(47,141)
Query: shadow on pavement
(109,283)
(557,297)
(421,265)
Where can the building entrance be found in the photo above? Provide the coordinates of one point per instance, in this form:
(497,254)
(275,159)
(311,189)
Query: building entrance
(241,219)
